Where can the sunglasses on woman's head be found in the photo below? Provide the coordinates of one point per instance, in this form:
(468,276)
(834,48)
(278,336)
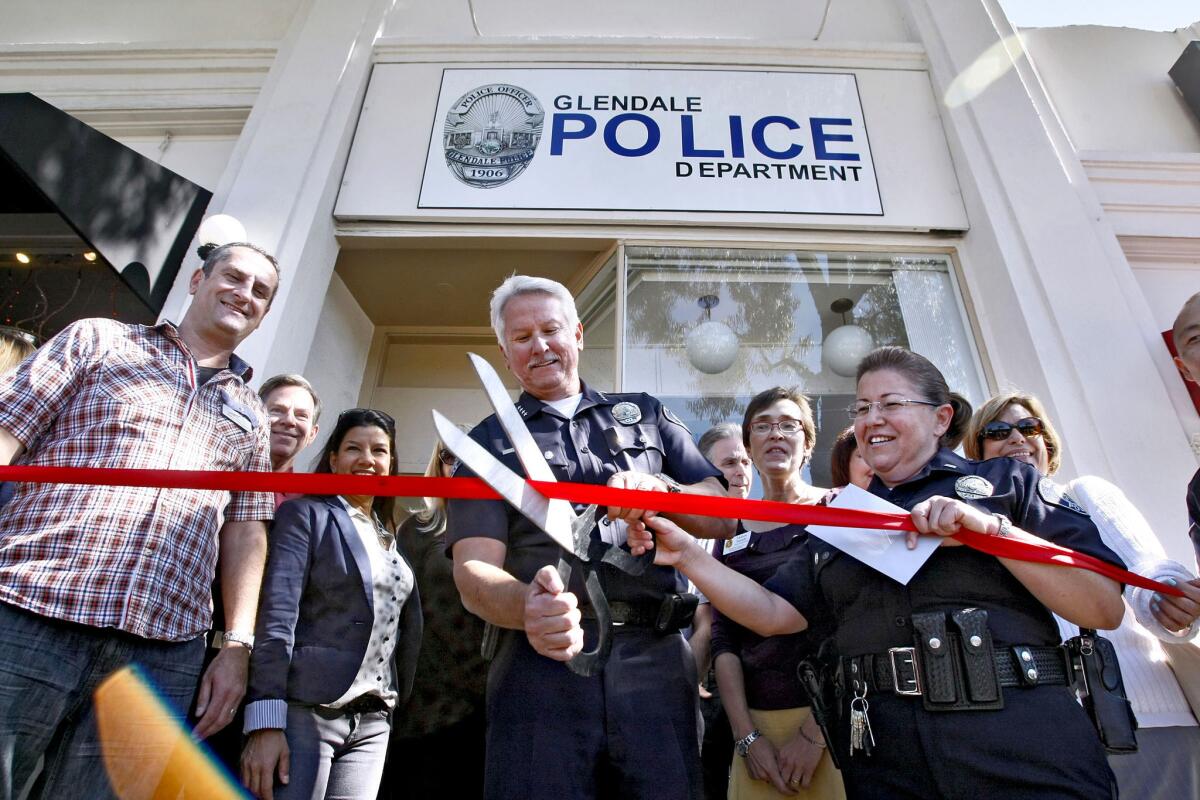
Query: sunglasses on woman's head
(447,458)
(999,431)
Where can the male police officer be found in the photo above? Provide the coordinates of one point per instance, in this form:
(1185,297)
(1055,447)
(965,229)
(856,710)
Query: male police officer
(629,731)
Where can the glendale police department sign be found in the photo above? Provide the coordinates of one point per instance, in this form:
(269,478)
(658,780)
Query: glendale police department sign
(652,140)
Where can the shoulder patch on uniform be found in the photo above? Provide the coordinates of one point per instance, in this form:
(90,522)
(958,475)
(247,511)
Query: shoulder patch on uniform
(973,487)
(1056,495)
(670,415)
(627,413)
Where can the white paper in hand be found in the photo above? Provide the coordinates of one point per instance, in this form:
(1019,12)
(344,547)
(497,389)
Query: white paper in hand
(880,550)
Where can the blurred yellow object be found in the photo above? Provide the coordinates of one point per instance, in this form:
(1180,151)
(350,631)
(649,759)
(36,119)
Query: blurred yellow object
(148,752)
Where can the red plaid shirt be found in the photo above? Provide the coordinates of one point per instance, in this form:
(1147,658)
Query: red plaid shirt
(106,394)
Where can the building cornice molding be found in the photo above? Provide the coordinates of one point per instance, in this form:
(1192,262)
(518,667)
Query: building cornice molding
(702,53)
(146,89)
(1162,250)
(1147,195)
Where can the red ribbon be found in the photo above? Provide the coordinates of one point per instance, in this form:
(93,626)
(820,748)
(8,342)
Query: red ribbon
(474,489)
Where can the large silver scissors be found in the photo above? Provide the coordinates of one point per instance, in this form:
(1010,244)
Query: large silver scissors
(571,531)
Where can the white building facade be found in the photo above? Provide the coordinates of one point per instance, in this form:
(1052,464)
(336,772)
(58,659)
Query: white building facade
(835,173)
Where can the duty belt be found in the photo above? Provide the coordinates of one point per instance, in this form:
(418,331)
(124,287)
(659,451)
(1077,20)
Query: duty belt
(638,614)
(668,615)
(898,670)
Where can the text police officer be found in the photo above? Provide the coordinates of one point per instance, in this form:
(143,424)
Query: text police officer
(630,730)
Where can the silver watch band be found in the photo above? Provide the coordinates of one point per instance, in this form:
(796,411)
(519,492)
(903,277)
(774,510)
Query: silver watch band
(742,746)
(244,639)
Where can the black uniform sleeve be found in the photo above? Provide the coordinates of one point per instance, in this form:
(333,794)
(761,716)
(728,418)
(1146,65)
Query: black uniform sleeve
(1042,509)
(681,458)
(468,519)
(793,581)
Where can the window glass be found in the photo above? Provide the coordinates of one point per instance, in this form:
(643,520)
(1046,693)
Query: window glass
(707,328)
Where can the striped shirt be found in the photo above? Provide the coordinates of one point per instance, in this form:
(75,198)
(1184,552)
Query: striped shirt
(140,560)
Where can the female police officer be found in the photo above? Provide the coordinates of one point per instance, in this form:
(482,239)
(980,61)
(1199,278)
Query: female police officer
(952,685)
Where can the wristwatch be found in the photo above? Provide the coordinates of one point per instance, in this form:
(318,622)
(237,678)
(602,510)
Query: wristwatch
(1005,529)
(742,745)
(244,639)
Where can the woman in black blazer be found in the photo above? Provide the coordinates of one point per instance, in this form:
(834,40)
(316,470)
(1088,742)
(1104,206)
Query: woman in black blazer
(339,628)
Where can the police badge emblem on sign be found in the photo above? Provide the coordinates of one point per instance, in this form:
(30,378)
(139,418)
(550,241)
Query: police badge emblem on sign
(491,134)
(973,487)
(627,413)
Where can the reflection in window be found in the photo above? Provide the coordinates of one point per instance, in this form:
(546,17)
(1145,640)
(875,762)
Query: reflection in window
(597,309)
(782,318)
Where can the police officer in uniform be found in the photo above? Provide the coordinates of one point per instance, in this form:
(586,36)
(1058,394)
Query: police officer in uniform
(630,731)
(952,685)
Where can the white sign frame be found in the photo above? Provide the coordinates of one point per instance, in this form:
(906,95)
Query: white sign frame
(653,181)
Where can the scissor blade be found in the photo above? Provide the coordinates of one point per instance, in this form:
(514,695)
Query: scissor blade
(539,509)
(510,419)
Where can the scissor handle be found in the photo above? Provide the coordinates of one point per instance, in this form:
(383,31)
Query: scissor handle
(590,662)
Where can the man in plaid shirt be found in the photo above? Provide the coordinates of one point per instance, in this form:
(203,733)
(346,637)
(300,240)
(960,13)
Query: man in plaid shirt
(95,578)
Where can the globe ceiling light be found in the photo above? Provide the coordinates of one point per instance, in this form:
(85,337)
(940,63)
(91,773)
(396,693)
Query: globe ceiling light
(847,344)
(217,230)
(711,345)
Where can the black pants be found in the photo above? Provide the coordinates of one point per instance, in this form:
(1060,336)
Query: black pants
(445,763)
(716,752)
(1040,746)
(628,732)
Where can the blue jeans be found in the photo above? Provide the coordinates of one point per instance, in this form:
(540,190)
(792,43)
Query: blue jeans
(49,670)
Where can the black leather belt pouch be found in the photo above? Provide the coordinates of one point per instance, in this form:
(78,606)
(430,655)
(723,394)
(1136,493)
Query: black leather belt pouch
(675,613)
(1102,690)
(958,667)
(817,681)
(979,659)
(937,660)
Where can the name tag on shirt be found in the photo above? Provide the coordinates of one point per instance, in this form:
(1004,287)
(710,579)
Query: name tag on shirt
(235,412)
(738,542)
(236,417)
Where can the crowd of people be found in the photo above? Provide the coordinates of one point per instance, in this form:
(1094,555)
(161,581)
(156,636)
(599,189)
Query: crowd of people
(327,646)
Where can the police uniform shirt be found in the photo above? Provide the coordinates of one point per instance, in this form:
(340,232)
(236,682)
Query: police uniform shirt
(872,612)
(588,448)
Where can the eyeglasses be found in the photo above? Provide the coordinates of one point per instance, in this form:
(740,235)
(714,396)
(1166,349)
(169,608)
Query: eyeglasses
(999,431)
(447,458)
(886,407)
(788,427)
